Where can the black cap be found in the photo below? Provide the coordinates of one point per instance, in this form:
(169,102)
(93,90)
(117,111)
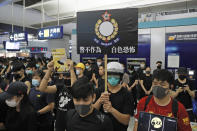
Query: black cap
(159,62)
(14,89)
(182,70)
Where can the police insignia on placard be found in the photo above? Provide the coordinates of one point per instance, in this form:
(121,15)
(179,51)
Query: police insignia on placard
(106,30)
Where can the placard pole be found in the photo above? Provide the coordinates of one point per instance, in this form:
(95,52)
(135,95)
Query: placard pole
(105,72)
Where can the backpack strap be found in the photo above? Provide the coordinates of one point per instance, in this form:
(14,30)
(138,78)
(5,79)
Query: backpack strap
(175,107)
(147,101)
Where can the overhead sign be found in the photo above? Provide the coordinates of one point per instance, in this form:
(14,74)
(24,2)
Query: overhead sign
(182,36)
(55,32)
(107,32)
(18,37)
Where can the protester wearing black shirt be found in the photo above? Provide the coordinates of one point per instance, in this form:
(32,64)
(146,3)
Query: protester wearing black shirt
(20,115)
(88,71)
(30,69)
(43,103)
(95,67)
(141,73)
(159,65)
(184,91)
(101,80)
(146,83)
(132,84)
(18,74)
(117,101)
(62,92)
(84,117)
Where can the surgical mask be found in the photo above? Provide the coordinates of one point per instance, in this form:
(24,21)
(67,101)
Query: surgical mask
(130,71)
(182,77)
(78,72)
(11,103)
(113,81)
(87,67)
(142,65)
(159,92)
(82,109)
(35,83)
(37,65)
(98,63)
(29,72)
(147,72)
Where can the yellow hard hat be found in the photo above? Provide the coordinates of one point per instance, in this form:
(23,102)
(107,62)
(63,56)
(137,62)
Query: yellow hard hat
(80,65)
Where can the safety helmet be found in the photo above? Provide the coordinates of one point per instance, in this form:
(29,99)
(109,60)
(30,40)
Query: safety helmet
(80,65)
(115,67)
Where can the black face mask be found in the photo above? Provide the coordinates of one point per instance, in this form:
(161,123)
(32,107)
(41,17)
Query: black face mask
(159,67)
(16,76)
(147,72)
(182,77)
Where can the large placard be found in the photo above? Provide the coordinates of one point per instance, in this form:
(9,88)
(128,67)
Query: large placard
(107,31)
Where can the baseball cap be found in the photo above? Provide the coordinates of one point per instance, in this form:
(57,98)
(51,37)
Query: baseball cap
(80,65)
(14,89)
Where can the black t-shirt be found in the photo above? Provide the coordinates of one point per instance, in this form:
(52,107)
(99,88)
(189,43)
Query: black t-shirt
(88,74)
(101,83)
(147,82)
(132,77)
(95,69)
(63,103)
(14,121)
(184,96)
(121,101)
(39,100)
(140,73)
(63,98)
(96,121)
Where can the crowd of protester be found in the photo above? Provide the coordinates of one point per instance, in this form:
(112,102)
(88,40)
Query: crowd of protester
(35,97)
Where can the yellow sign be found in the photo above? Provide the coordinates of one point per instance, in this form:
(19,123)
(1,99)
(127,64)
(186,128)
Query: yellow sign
(59,58)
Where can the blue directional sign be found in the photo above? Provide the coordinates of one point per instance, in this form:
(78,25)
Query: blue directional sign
(17,37)
(55,32)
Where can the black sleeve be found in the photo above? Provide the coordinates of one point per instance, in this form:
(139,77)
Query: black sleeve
(128,107)
(31,122)
(107,124)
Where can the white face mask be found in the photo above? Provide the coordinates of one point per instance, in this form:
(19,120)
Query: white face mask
(11,103)
(78,72)
(98,63)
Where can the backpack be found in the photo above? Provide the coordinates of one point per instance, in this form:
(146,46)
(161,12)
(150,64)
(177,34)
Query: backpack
(174,105)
